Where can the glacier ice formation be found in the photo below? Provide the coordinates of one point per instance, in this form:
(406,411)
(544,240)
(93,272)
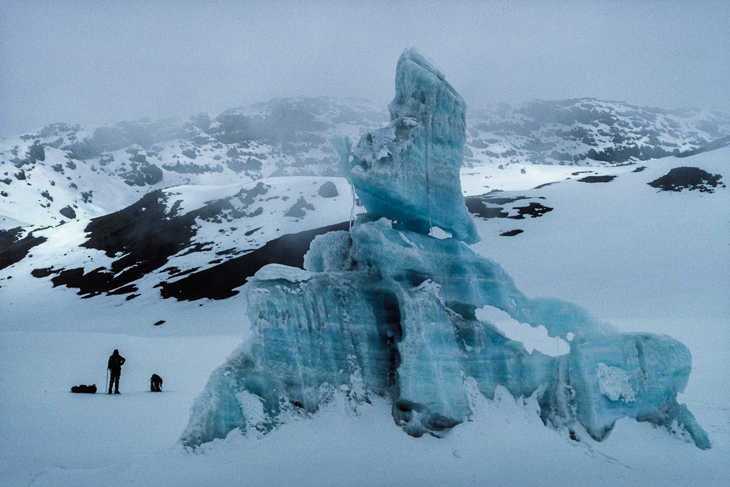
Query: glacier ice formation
(387,309)
(409,170)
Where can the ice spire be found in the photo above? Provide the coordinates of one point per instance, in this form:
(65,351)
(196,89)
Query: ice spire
(409,171)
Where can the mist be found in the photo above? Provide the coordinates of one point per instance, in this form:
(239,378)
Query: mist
(99,63)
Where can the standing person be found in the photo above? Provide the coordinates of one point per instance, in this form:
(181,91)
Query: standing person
(115,366)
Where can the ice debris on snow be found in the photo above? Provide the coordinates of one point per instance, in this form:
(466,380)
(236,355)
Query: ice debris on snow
(387,309)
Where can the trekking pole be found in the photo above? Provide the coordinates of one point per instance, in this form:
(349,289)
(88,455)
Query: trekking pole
(107,380)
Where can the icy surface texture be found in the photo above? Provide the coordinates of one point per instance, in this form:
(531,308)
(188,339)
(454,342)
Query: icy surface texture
(468,281)
(636,375)
(409,170)
(312,332)
(387,309)
(391,312)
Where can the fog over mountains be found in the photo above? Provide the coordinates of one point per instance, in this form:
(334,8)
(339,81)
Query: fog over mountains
(66,172)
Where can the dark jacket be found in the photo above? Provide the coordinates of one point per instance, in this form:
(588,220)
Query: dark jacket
(115,362)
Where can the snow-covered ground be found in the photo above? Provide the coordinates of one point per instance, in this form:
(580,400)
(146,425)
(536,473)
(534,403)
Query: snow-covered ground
(637,258)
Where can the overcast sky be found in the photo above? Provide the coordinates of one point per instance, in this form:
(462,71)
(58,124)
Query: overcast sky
(94,62)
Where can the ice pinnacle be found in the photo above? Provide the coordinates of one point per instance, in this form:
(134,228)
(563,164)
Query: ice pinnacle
(409,170)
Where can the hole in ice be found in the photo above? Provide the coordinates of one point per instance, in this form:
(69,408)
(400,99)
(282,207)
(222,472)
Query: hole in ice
(436,232)
(532,338)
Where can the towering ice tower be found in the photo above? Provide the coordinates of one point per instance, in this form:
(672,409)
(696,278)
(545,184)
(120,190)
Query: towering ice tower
(387,309)
(409,170)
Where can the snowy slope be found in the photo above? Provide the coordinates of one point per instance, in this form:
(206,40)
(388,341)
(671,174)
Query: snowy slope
(187,242)
(637,257)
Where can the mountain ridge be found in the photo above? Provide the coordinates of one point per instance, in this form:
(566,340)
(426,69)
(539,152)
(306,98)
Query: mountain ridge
(65,172)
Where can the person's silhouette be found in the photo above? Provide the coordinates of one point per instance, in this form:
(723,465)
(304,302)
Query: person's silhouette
(115,366)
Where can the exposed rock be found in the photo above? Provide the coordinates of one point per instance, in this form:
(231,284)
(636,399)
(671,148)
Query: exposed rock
(328,190)
(597,179)
(68,212)
(690,178)
(14,246)
(298,209)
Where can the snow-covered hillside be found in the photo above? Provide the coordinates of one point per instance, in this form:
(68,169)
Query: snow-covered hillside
(65,172)
(589,132)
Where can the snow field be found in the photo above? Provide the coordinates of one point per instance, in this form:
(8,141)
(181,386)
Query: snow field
(51,437)
(45,427)
(636,258)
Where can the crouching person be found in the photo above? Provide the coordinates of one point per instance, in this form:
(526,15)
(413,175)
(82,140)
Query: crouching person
(155,383)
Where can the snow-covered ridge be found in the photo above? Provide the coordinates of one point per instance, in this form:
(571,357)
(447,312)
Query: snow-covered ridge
(192,241)
(169,240)
(589,132)
(65,172)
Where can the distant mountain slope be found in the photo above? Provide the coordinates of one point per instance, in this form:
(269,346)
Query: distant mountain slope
(203,242)
(64,172)
(590,132)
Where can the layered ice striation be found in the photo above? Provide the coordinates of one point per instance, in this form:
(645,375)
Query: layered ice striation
(386,309)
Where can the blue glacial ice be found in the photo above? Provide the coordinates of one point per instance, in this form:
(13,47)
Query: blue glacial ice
(409,170)
(386,309)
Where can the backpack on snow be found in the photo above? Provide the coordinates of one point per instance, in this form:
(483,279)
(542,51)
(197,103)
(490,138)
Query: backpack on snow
(84,389)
